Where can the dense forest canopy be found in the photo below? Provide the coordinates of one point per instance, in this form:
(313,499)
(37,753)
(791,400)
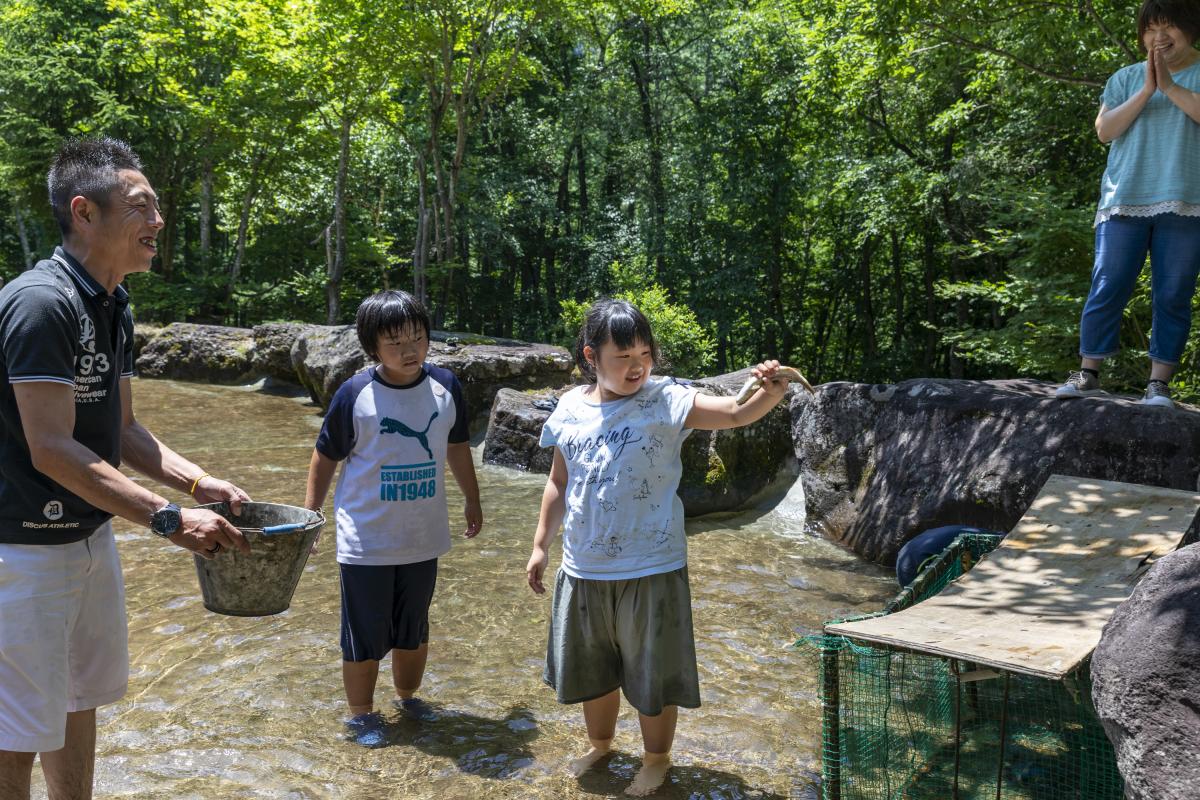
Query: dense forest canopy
(867,190)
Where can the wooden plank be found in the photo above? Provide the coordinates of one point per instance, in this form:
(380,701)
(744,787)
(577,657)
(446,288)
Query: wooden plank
(1036,604)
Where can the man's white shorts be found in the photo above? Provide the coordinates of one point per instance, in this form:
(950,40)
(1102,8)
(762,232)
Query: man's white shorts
(64,642)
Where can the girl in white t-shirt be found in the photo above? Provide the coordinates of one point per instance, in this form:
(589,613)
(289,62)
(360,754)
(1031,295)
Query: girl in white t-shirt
(621,616)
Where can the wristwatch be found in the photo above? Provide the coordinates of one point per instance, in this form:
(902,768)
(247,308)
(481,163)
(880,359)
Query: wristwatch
(166,520)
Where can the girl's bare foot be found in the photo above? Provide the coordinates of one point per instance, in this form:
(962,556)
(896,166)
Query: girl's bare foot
(599,749)
(651,775)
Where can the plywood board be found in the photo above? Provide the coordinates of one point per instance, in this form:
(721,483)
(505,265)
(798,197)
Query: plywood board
(1037,603)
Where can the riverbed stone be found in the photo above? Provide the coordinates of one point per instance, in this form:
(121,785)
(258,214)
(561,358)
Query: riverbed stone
(1146,681)
(273,349)
(324,357)
(514,425)
(880,464)
(211,353)
(721,469)
(143,333)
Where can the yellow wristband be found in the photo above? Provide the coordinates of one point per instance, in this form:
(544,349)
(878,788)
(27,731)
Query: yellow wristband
(196,483)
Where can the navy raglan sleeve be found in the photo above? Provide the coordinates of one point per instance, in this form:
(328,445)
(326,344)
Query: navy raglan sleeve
(39,335)
(337,438)
(461,432)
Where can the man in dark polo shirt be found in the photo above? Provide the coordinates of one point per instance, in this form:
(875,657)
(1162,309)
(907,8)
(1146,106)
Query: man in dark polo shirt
(66,423)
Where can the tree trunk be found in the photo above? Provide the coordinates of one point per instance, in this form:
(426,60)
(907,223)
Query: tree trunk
(239,251)
(775,270)
(206,198)
(421,245)
(333,285)
(929,277)
(560,242)
(658,194)
(22,234)
(166,239)
(866,304)
(897,290)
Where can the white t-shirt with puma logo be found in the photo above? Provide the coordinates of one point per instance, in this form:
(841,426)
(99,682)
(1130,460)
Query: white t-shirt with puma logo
(390,500)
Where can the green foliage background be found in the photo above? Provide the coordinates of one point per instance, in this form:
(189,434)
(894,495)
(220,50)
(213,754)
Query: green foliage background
(868,190)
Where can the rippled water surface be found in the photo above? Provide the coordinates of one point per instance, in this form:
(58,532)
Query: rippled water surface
(223,707)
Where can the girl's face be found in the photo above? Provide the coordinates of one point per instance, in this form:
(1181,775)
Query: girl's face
(1164,37)
(401,354)
(620,372)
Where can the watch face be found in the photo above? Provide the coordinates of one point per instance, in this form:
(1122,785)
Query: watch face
(166,520)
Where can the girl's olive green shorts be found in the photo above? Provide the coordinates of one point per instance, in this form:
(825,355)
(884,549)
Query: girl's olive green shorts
(635,635)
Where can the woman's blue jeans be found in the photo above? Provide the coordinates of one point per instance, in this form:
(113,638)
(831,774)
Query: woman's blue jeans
(1173,243)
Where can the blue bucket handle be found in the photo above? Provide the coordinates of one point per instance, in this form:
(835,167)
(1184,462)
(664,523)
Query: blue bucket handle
(285,528)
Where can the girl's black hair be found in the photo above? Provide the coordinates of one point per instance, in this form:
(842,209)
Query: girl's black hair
(616,321)
(1183,14)
(385,312)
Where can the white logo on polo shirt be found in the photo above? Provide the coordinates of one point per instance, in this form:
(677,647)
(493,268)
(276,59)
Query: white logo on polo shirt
(53,510)
(87,334)
(88,387)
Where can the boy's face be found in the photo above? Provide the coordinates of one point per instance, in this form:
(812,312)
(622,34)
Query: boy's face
(401,354)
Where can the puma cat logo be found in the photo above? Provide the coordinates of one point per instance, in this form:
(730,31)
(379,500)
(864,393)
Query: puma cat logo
(389,425)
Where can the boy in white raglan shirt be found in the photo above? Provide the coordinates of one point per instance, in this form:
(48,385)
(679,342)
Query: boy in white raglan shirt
(395,426)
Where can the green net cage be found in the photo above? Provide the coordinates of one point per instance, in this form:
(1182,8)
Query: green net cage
(899,724)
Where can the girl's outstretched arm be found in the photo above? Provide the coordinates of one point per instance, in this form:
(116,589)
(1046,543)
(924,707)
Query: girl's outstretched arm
(711,413)
(550,517)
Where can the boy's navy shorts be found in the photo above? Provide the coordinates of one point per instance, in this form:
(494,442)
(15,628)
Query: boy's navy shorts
(385,607)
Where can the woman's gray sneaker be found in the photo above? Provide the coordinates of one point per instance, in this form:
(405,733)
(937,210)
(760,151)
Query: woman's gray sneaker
(1158,394)
(1080,384)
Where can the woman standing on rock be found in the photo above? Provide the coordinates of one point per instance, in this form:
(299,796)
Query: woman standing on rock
(1149,199)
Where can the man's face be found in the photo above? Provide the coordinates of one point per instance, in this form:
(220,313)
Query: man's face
(128,227)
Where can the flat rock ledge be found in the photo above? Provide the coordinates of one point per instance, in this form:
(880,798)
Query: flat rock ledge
(325,357)
(190,352)
(320,358)
(1146,681)
(721,469)
(881,463)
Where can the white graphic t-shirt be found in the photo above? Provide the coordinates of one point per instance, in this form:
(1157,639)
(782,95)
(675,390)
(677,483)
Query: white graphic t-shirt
(390,501)
(623,518)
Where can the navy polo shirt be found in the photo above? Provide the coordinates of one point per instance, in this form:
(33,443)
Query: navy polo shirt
(58,325)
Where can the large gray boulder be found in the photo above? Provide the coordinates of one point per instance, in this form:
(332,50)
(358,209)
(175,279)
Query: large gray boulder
(880,464)
(273,348)
(325,357)
(1146,681)
(143,333)
(721,469)
(210,353)
(514,425)
(484,368)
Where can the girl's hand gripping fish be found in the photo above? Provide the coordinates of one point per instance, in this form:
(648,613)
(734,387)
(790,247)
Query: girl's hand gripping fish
(752,384)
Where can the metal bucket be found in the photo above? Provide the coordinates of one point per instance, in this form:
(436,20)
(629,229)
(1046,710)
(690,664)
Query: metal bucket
(261,583)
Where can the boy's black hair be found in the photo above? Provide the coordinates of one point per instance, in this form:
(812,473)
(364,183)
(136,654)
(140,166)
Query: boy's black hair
(1183,14)
(616,321)
(87,167)
(386,312)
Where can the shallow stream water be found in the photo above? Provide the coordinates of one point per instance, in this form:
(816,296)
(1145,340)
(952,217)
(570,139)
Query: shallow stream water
(228,707)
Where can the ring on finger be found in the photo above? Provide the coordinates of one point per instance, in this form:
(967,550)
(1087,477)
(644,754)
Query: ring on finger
(216,548)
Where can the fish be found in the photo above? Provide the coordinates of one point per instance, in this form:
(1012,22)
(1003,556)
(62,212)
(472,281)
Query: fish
(752,384)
